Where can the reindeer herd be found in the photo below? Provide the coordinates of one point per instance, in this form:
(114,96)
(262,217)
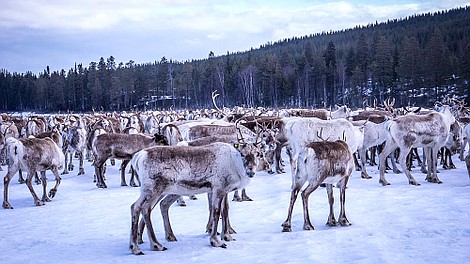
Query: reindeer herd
(217,151)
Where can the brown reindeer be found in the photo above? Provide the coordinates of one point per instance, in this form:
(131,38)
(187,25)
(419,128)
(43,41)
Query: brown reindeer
(171,171)
(120,146)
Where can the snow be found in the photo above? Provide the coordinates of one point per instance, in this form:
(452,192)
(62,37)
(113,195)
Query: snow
(399,223)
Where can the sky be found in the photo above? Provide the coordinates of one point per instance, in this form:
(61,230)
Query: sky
(59,33)
(399,223)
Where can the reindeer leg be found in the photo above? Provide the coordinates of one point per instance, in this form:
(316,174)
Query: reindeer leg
(402,159)
(373,152)
(236,197)
(331,200)
(81,169)
(451,162)
(45,198)
(245,196)
(209,221)
(434,177)
(362,156)
(20,177)
(343,220)
(66,169)
(286,226)
(164,208)
(53,191)
(394,164)
(134,177)
(146,213)
(305,194)
(29,178)
(217,198)
(6,182)
(99,174)
(123,172)
(356,163)
(467,163)
(389,148)
(226,227)
(136,209)
(36,178)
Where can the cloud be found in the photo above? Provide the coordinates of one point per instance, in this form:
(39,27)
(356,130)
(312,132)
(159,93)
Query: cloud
(145,30)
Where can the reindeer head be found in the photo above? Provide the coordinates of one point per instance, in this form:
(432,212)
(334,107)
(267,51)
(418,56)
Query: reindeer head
(161,139)
(251,151)
(251,155)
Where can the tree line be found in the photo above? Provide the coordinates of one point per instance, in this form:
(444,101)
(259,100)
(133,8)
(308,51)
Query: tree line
(416,60)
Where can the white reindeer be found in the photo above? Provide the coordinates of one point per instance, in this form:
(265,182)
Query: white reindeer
(466,140)
(32,155)
(430,131)
(302,131)
(321,162)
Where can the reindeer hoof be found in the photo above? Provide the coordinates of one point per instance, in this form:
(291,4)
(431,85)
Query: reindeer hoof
(286,227)
(228,237)
(136,250)
(158,247)
(216,243)
(7,205)
(308,227)
(384,183)
(101,185)
(52,193)
(171,238)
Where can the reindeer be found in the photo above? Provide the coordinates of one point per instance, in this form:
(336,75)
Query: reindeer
(374,135)
(453,144)
(7,129)
(120,146)
(32,155)
(303,131)
(75,141)
(321,162)
(467,163)
(217,169)
(234,139)
(429,131)
(466,140)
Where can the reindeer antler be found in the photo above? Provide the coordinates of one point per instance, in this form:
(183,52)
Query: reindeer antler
(214,95)
(344,134)
(240,134)
(320,136)
(261,129)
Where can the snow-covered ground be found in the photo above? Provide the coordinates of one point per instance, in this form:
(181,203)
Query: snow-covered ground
(399,223)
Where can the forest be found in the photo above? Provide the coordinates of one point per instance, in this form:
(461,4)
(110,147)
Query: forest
(416,60)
